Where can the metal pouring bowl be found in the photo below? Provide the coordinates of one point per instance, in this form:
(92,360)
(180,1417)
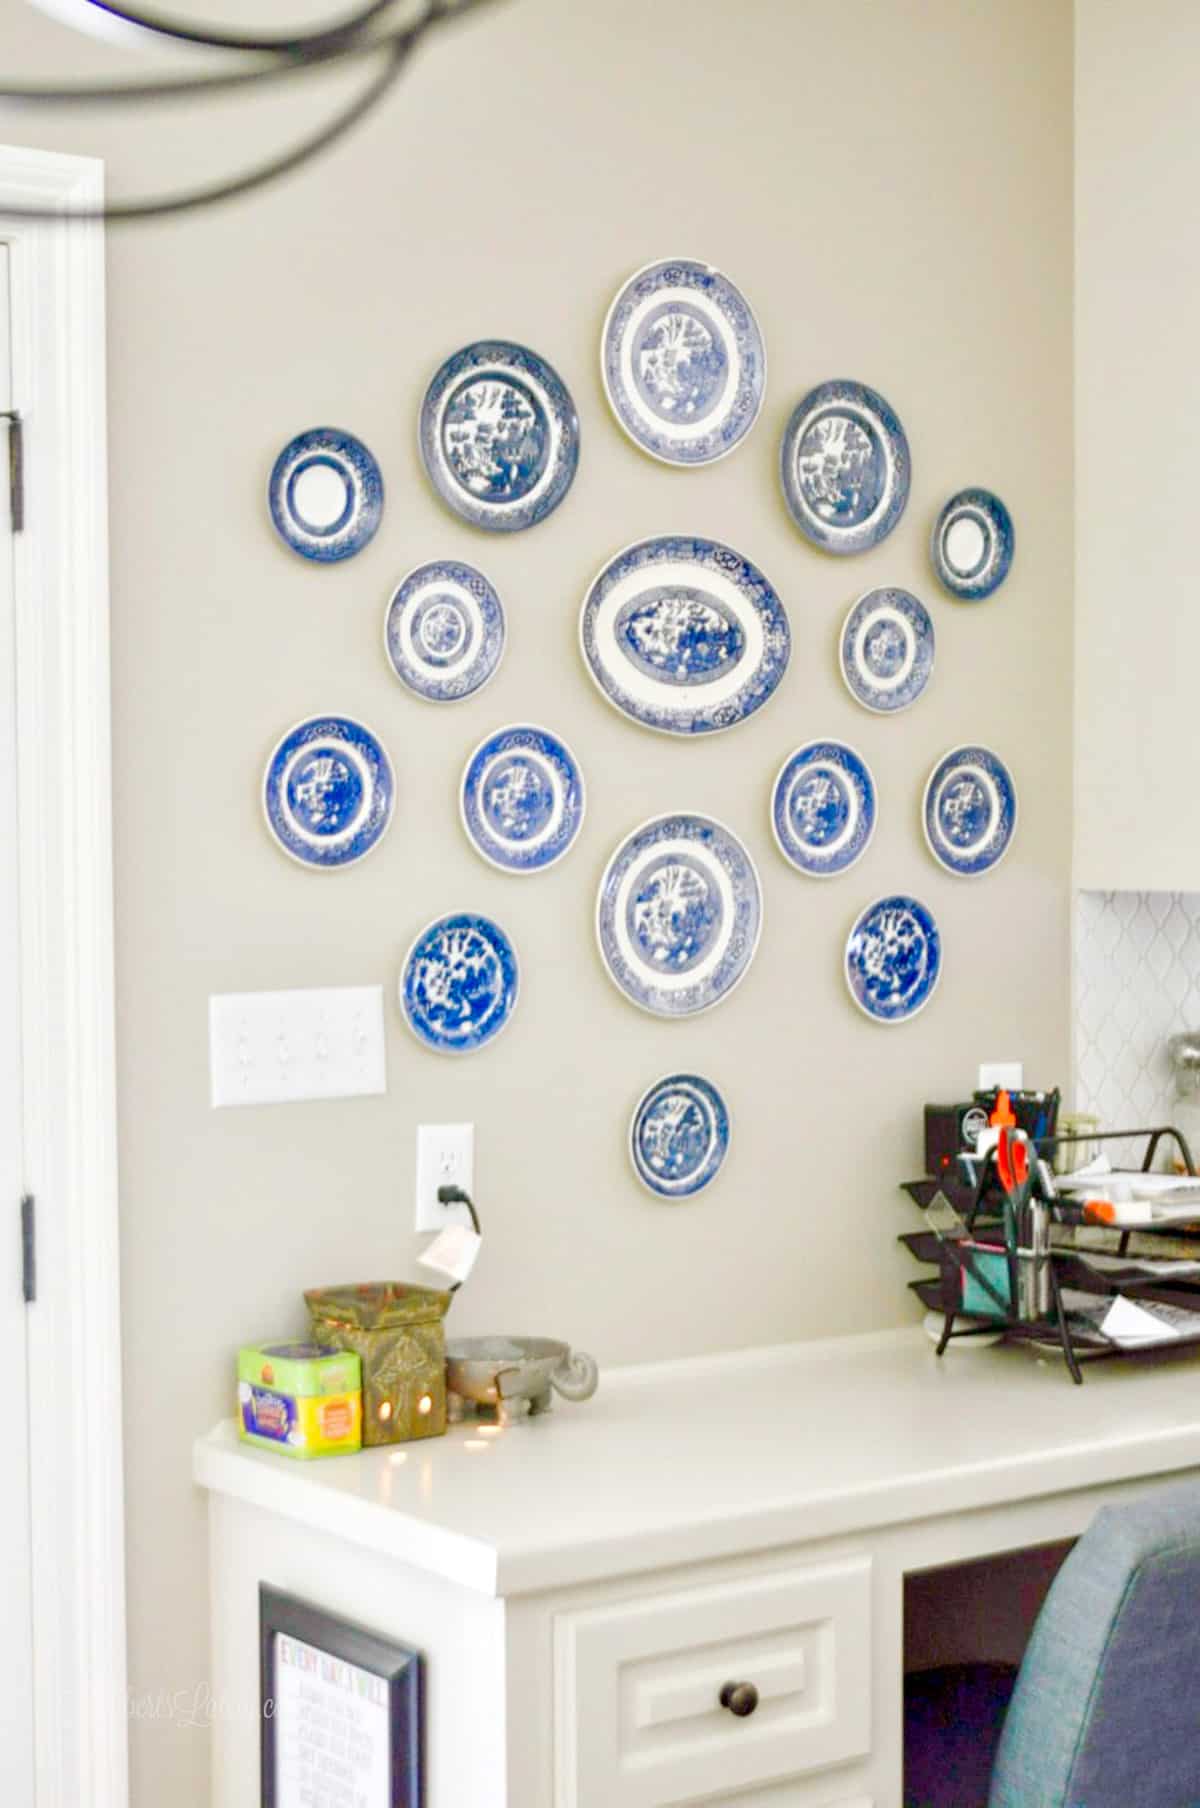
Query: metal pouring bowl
(491,1370)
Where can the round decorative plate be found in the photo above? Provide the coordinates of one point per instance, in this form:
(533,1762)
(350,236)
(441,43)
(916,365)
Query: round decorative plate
(444,630)
(499,435)
(845,467)
(683,362)
(328,791)
(459,983)
(972,546)
(325,494)
(684,635)
(969,811)
(678,915)
(679,1136)
(823,808)
(893,959)
(522,799)
(886,650)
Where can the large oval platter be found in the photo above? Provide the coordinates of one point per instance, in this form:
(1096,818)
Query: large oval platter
(684,635)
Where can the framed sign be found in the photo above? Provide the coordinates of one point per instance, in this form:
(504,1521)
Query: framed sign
(342,1711)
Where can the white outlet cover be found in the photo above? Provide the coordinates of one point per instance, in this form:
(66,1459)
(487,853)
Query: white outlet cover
(445,1157)
(1009,1074)
(269,1048)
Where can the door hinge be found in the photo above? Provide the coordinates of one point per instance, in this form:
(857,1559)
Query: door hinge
(16,466)
(28,1251)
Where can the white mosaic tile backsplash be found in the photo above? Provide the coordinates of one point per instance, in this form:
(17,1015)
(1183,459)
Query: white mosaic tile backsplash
(1137,981)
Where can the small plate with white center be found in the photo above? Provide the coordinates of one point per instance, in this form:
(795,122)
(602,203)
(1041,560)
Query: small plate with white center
(972,546)
(823,808)
(325,494)
(522,799)
(444,630)
(969,811)
(845,467)
(679,1136)
(886,650)
(328,792)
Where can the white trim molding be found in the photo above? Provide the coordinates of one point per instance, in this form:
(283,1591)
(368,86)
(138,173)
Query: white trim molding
(65,834)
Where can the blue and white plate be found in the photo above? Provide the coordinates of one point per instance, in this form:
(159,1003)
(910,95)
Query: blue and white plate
(499,435)
(325,494)
(679,914)
(444,630)
(522,799)
(972,546)
(683,362)
(679,1136)
(969,811)
(459,983)
(328,791)
(684,635)
(823,808)
(845,467)
(886,650)
(893,959)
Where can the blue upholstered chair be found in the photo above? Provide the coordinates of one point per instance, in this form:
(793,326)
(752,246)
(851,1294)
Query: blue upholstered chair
(1105,1709)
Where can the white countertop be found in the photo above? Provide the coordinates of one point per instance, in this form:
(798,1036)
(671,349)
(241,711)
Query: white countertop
(682,1462)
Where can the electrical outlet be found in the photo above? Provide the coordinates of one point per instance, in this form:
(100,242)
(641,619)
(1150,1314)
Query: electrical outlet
(445,1157)
(268,1047)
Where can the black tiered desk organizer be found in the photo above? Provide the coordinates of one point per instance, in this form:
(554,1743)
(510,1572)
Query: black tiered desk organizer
(980,1207)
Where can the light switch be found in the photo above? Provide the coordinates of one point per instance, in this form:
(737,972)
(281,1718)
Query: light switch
(268,1047)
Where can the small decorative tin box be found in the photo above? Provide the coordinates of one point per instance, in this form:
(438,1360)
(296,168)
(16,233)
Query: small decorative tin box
(302,1398)
(397,1331)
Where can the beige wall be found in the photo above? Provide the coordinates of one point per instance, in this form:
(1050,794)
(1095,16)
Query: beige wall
(890,183)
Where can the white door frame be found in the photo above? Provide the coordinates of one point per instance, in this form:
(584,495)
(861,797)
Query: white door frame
(65,846)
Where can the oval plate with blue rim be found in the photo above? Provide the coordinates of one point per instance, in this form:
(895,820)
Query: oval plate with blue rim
(522,799)
(678,914)
(684,635)
(969,811)
(499,435)
(444,631)
(683,363)
(886,650)
(823,808)
(679,1136)
(972,546)
(893,959)
(325,494)
(328,792)
(459,983)
(845,467)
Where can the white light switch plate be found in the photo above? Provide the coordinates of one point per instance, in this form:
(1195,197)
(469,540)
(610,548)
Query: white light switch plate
(445,1157)
(268,1047)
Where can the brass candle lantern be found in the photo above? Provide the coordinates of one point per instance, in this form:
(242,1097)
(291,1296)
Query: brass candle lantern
(397,1332)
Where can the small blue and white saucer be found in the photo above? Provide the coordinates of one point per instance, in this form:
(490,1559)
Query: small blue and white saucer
(886,650)
(679,914)
(683,363)
(459,983)
(522,799)
(679,1136)
(328,792)
(845,467)
(499,435)
(972,546)
(444,630)
(325,494)
(969,811)
(823,808)
(893,959)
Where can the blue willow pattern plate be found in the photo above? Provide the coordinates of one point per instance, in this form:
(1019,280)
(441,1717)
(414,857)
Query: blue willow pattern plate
(679,914)
(972,546)
(499,435)
(679,1135)
(522,799)
(969,811)
(886,650)
(444,630)
(325,494)
(684,635)
(683,362)
(845,467)
(823,808)
(459,983)
(893,959)
(328,792)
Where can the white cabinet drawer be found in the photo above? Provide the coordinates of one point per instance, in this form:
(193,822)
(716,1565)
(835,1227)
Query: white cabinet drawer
(638,1714)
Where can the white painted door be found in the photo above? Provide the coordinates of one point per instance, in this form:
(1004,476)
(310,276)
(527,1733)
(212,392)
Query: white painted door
(16,1627)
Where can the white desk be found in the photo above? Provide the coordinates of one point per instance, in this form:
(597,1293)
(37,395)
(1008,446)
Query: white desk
(583,1584)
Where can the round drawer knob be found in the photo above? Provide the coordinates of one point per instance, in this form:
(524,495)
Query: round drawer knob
(741,1698)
